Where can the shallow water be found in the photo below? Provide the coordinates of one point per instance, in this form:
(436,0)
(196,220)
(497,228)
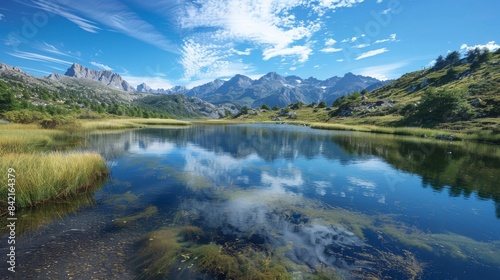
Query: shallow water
(356,205)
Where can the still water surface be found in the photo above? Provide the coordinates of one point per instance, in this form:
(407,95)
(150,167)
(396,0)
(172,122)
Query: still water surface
(316,203)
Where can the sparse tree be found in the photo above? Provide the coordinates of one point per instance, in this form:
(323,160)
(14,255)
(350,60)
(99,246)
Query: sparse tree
(322,104)
(440,63)
(265,107)
(453,58)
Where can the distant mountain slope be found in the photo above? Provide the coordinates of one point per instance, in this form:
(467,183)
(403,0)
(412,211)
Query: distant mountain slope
(104,77)
(62,93)
(478,79)
(184,106)
(274,89)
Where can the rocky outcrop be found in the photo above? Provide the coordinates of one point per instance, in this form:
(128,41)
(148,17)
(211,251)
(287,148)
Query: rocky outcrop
(105,77)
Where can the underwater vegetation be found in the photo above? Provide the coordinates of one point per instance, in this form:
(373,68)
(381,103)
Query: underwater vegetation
(148,212)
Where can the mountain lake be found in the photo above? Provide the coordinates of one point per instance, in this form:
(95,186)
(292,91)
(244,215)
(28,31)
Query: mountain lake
(271,201)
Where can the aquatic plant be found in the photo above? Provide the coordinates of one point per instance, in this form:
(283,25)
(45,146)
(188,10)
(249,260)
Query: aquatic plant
(245,264)
(148,212)
(191,233)
(158,251)
(35,217)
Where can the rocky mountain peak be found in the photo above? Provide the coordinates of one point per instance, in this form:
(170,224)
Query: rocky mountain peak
(105,77)
(144,88)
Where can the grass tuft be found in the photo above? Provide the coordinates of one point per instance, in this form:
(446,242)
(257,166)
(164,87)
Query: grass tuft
(42,177)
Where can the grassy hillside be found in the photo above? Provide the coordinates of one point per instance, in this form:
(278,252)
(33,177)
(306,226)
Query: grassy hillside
(396,103)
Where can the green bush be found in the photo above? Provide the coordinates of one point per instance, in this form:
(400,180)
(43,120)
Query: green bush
(322,105)
(25,116)
(437,106)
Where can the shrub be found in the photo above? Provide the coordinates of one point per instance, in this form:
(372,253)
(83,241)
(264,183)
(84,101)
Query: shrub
(438,106)
(25,116)
(322,105)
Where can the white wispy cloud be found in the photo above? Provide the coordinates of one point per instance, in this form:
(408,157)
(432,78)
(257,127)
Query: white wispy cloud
(247,51)
(330,50)
(383,72)
(1,16)
(58,8)
(491,46)
(100,65)
(371,53)
(302,52)
(210,61)
(352,39)
(153,82)
(37,57)
(12,40)
(26,69)
(340,60)
(271,26)
(329,46)
(379,1)
(360,46)
(391,38)
(361,183)
(112,14)
(46,47)
(330,42)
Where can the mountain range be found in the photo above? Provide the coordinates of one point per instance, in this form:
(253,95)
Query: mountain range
(271,89)
(95,90)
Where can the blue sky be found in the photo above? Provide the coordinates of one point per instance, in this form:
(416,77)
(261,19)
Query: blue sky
(180,42)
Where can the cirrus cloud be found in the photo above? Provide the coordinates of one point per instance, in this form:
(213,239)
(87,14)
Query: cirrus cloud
(371,53)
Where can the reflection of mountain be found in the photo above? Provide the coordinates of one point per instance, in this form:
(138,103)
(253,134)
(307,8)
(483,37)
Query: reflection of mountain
(461,169)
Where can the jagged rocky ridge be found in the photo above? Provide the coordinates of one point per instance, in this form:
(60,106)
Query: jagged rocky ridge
(271,89)
(274,89)
(105,77)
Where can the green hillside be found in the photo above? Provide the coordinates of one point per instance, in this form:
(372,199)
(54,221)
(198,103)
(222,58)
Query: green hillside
(456,91)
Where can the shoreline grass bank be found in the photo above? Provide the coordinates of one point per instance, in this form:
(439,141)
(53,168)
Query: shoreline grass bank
(45,173)
(40,177)
(486,130)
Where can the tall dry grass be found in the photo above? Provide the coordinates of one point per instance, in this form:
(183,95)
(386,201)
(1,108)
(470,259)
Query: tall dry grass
(41,177)
(128,123)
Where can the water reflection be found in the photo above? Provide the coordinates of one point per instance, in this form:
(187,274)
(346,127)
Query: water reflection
(357,202)
(215,152)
